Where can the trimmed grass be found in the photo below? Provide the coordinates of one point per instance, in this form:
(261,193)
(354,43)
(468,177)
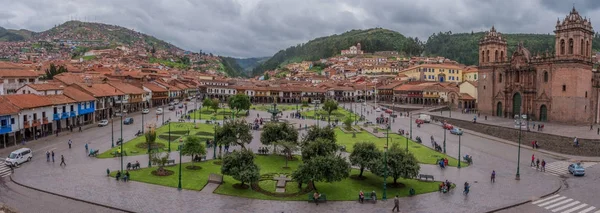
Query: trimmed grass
(177,130)
(423,154)
(346,189)
(280,107)
(208,114)
(339,114)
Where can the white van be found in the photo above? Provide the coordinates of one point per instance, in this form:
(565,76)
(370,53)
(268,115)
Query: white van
(19,156)
(425,118)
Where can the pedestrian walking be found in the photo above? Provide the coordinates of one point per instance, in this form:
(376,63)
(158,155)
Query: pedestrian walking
(543,165)
(532,160)
(47,156)
(576,142)
(537,164)
(591,127)
(70,143)
(80,128)
(533,144)
(52,153)
(86,147)
(539,126)
(493,179)
(62,160)
(396,204)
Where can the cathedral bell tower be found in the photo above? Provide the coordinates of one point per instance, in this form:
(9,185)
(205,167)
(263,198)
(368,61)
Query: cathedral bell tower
(574,37)
(492,48)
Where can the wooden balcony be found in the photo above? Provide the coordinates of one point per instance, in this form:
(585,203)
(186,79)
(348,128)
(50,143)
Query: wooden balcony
(45,120)
(36,123)
(26,124)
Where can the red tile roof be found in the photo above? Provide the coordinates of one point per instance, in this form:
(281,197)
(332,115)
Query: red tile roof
(7,108)
(60,99)
(99,90)
(127,88)
(13,73)
(28,101)
(46,87)
(154,88)
(77,95)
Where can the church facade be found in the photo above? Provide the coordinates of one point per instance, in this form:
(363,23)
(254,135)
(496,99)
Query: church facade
(557,87)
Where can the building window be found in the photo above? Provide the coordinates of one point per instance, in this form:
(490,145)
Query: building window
(564,88)
(586,94)
(581,49)
(475,77)
(12,120)
(562,46)
(500,78)
(484,87)
(545,76)
(570,46)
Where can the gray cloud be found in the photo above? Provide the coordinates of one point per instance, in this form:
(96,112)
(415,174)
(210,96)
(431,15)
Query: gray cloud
(246,28)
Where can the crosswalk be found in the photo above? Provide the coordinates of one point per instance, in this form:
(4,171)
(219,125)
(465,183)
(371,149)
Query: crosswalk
(563,204)
(4,170)
(559,168)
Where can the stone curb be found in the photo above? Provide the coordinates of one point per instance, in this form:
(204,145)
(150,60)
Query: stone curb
(560,156)
(524,202)
(72,198)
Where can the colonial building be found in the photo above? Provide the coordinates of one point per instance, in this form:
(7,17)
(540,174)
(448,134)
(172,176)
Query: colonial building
(353,50)
(547,87)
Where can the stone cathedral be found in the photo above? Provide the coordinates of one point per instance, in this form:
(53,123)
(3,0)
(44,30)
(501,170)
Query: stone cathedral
(557,87)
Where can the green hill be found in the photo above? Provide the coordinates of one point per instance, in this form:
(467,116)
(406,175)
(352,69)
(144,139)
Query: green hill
(9,35)
(247,64)
(231,67)
(376,39)
(463,47)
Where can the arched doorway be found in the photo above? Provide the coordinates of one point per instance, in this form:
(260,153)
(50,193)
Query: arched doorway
(499,109)
(516,104)
(543,113)
(441,77)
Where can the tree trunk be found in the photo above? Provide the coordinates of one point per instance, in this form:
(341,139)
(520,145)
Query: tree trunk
(361,171)
(299,184)
(286,162)
(314,185)
(395,179)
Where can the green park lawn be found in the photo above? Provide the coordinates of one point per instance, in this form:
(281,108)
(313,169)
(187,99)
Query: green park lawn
(208,114)
(280,107)
(339,114)
(346,189)
(423,154)
(178,130)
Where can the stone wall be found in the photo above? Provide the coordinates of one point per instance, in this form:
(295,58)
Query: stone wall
(554,143)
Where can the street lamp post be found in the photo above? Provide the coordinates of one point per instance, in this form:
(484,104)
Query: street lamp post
(195,109)
(214,139)
(112,133)
(518,175)
(180,147)
(445,141)
(149,149)
(410,122)
(169,136)
(122,140)
(459,151)
(142,121)
(387,140)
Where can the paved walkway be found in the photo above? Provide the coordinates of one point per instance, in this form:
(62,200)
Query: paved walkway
(581,131)
(85,178)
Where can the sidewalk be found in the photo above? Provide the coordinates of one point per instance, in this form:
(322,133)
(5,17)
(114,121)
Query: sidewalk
(549,128)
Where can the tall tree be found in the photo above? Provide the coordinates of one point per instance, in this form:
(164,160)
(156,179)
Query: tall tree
(315,132)
(54,70)
(287,147)
(319,147)
(193,146)
(235,132)
(273,132)
(239,102)
(401,164)
(365,155)
(329,106)
(215,104)
(207,103)
(240,165)
(330,168)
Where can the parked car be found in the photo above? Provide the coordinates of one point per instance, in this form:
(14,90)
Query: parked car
(180,106)
(425,118)
(145,111)
(159,111)
(419,121)
(378,110)
(389,111)
(447,126)
(103,123)
(576,169)
(19,156)
(118,114)
(171,104)
(456,131)
(171,107)
(128,121)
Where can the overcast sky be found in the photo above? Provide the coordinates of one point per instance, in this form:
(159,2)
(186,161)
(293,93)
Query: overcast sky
(249,28)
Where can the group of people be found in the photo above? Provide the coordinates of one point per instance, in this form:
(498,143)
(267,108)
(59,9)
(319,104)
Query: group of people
(536,163)
(534,144)
(540,127)
(361,196)
(445,186)
(125,177)
(136,165)
(443,162)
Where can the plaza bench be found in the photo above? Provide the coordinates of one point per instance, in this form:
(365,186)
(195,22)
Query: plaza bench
(170,161)
(368,197)
(94,153)
(421,176)
(322,198)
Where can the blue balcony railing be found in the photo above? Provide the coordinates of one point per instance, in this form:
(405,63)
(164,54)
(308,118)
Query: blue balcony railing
(56,117)
(65,115)
(5,129)
(73,114)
